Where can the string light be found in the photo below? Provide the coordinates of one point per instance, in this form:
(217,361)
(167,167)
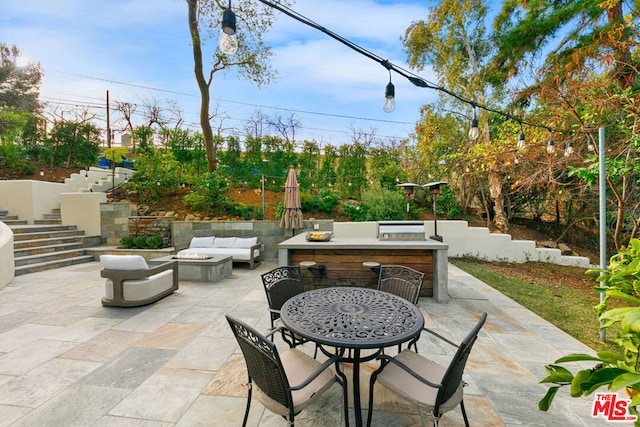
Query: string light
(474,132)
(522,143)
(568,150)
(551,146)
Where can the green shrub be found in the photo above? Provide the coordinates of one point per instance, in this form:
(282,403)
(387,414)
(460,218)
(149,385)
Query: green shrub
(141,242)
(208,193)
(127,242)
(246,212)
(383,204)
(615,370)
(356,212)
(447,204)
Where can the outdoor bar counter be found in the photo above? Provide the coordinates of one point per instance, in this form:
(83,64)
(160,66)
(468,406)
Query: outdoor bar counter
(339,261)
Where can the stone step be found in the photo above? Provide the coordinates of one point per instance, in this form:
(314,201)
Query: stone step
(41,227)
(49,257)
(47,221)
(50,265)
(46,235)
(36,250)
(16,221)
(46,242)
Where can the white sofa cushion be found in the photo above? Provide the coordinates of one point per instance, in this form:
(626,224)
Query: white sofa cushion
(245,243)
(138,289)
(224,242)
(202,242)
(237,254)
(123,262)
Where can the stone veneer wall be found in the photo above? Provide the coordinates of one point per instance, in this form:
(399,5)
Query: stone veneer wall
(115,219)
(140,226)
(269,233)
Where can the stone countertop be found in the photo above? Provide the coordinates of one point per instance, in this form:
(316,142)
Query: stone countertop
(300,242)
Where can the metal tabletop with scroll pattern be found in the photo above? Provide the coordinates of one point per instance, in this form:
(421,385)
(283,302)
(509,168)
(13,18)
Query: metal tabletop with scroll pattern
(351,317)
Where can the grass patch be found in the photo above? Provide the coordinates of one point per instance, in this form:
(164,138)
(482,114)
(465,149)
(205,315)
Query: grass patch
(548,291)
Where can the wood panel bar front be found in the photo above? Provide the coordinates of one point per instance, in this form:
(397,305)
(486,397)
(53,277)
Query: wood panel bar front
(340,261)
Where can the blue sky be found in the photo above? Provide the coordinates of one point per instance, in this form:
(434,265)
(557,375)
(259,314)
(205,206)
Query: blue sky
(140,50)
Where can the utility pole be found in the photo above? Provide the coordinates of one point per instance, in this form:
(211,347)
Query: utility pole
(108,124)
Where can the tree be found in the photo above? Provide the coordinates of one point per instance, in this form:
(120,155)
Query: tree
(590,30)
(19,85)
(586,81)
(76,143)
(251,60)
(454,41)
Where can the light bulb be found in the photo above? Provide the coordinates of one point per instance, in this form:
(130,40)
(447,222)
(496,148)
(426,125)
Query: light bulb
(522,143)
(568,149)
(228,39)
(474,132)
(228,43)
(551,147)
(390,100)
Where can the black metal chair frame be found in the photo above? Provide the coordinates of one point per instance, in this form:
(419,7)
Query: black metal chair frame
(451,380)
(402,281)
(266,371)
(280,284)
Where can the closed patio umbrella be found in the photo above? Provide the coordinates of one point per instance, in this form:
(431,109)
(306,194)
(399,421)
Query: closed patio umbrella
(292,215)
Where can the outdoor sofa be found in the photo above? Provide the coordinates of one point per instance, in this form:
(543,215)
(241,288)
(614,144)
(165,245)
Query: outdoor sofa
(240,249)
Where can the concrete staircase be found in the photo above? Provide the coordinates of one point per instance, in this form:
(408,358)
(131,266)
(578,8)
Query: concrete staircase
(10,219)
(47,244)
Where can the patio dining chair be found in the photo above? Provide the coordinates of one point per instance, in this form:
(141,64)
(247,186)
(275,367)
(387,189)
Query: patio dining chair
(402,281)
(284,383)
(424,383)
(280,284)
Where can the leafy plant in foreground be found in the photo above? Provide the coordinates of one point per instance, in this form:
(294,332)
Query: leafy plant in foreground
(615,370)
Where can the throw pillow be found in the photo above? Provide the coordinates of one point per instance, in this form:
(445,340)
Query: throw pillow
(202,242)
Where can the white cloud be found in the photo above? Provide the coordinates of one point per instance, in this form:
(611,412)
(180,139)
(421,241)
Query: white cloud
(86,46)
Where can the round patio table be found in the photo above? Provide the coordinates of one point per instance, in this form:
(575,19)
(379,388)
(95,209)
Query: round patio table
(352,319)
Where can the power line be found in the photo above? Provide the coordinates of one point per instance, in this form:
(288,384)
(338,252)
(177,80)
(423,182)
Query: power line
(318,113)
(412,77)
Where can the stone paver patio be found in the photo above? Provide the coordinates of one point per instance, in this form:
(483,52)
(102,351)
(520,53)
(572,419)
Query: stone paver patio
(67,361)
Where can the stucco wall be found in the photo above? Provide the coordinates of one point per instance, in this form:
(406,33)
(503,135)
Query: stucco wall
(7,268)
(83,210)
(36,198)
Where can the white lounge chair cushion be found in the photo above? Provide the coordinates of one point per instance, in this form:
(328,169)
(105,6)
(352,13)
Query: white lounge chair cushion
(298,366)
(123,262)
(139,289)
(202,242)
(401,382)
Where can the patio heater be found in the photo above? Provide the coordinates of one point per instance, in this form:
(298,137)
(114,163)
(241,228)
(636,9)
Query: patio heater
(434,189)
(408,191)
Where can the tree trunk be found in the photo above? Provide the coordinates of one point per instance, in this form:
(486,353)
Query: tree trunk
(203,85)
(495,191)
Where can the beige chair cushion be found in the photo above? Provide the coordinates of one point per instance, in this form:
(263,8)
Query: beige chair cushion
(399,381)
(298,366)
